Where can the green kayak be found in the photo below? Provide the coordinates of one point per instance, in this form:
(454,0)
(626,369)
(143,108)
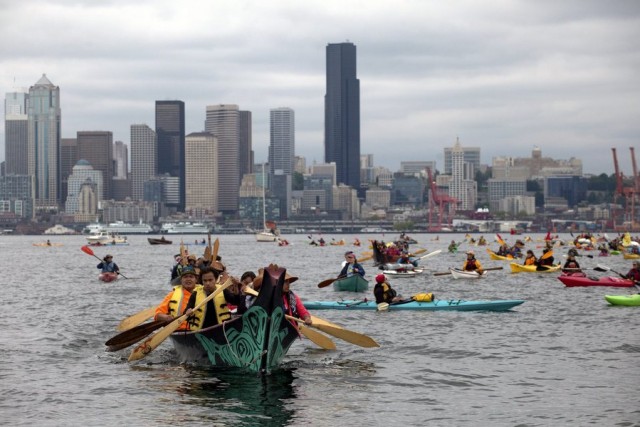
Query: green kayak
(628,300)
(355,283)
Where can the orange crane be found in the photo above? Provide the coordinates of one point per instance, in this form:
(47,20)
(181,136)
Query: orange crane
(446,206)
(629,194)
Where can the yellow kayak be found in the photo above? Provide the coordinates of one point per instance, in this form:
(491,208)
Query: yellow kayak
(627,255)
(519,268)
(494,256)
(44,245)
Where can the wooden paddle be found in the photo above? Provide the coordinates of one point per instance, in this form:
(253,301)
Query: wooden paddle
(153,342)
(444,273)
(342,333)
(133,335)
(430,254)
(87,250)
(319,339)
(327,282)
(136,319)
(365,258)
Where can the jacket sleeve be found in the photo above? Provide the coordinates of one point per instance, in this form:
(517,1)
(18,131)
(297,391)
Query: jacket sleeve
(163,308)
(302,310)
(100,265)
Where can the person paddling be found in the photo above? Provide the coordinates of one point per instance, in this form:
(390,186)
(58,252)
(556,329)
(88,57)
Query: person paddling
(383,291)
(634,273)
(571,265)
(293,305)
(175,302)
(530,259)
(350,266)
(108,266)
(472,264)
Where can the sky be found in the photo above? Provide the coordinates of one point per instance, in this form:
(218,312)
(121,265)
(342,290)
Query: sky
(505,76)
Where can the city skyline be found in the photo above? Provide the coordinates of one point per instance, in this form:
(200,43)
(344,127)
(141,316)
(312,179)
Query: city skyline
(503,77)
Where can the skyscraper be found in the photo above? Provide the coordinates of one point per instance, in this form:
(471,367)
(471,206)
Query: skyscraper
(281,156)
(223,122)
(121,159)
(170,133)
(68,159)
(342,113)
(96,147)
(246,144)
(200,172)
(143,158)
(16,134)
(44,141)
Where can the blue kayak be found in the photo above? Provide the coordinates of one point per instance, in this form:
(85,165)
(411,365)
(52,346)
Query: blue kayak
(441,305)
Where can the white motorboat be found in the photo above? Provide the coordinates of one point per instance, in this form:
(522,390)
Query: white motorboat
(104,238)
(185,228)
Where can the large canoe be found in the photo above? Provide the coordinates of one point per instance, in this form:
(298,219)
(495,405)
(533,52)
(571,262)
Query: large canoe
(47,245)
(628,300)
(256,341)
(571,281)
(437,305)
(162,241)
(355,283)
(519,268)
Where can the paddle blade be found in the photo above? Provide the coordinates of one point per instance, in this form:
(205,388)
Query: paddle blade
(133,335)
(499,239)
(316,337)
(216,247)
(87,250)
(136,319)
(430,254)
(547,255)
(344,334)
(326,283)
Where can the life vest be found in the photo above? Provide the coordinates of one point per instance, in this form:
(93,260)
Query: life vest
(196,320)
(175,303)
(530,261)
(388,293)
(470,265)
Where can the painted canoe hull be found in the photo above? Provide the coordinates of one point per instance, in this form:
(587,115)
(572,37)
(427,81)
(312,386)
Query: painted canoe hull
(107,277)
(257,341)
(573,281)
(519,268)
(461,274)
(355,283)
(628,300)
(630,256)
(437,305)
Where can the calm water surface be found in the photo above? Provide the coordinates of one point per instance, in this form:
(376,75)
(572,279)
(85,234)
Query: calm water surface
(563,358)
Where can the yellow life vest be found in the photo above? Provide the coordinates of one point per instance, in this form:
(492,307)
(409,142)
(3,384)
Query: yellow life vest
(175,303)
(196,320)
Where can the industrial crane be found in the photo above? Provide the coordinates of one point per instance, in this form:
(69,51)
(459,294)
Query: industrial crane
(629,193)
(446,206)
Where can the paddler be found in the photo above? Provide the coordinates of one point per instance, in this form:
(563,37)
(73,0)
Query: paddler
(350,266)
(634,273)
(293,305)
(571,265)
(530,258)
(472,264)
(383,291)
(108,266)
(175,302)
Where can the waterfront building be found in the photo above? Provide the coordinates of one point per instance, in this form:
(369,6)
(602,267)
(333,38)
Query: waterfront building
(345,200)
(378,198)
(96,147)
(573,189)
(500,189)
(84,173)
(515,205)
(144,158)
(201,174)
(16,196)
(170,134)
(16,133)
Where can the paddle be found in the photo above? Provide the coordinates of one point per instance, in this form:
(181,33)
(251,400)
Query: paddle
(216,247)
(87,250)
(347,335)
(327,282)
(133,335)
(136,319)
(444,273)
(319,339)
(430,254)
(153,342)
(603,268)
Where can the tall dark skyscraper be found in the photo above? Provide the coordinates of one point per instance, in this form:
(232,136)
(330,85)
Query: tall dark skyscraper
(170,132)
(342,113)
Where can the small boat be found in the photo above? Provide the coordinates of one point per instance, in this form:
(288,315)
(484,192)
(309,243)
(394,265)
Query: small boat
(50,245)
(354,283)
(161,241)
(628,300)
(402,274)
(628,255)
(437,305)
(575,280)
(494,256)
(519,268)
(257,341)
(107,277)
(456,273)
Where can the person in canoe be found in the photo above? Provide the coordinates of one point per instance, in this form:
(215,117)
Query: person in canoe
(530,258)
(482,241)
(472,264)
(175,302)
(634,273)
(108,266)
(503,250)
(545,260)
(248,278)
(571,264)
(48,242)
(384,292)
(321,241)
(356,242)
(350,265)
(293,305)
(216,310)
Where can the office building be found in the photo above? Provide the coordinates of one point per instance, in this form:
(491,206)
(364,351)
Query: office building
(342,113)
(16,196)
(223,122)
(144,158)
(201,174)
(170,133)
(96,147)
(16,133)
(246,143)
(121,159)
(77,197)
(68,159)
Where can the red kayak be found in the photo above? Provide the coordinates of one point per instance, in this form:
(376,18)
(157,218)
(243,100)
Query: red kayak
(107,277)
(575,280)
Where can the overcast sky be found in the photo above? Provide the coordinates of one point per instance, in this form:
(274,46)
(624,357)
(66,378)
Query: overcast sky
(501,75)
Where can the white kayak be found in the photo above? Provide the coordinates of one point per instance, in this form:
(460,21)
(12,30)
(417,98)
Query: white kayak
(462,274)
(399,273)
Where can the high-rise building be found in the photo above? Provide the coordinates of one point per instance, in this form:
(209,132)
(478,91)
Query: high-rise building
(96,147)
(201,174)
(16,195)
(121,159)
(170,133)
(462,186)
(470,156)
(44,116)
(223,122)
(342,113)
(83,173)
(282,140)
(143,158)
(68,159)
(246,143)
(16,134)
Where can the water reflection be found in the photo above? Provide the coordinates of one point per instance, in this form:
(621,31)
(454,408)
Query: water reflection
(247,399)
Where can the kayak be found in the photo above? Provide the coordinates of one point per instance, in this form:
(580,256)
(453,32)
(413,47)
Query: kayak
(572,281)
(519,268)
(462,274)
(44,245)
(355,283)
(627,255)
(437,305)
(107,277)
(628,300)
(494,256)
(401,274)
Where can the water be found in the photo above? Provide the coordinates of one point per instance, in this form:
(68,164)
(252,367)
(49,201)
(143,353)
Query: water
(562,358)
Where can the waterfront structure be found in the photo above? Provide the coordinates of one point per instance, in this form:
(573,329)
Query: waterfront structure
(84,173)
(342,113)
(245,129)
(378,198)
(407,190)
(345,200)
(170,133)
(44,117)
(201,174)
(16,196)
(96,147)
(515,205)
(128,211)
(144,158)
(500,189)
(462,186)
(223,122)
(16,133)
(573,189)
(417,168)
(121,159)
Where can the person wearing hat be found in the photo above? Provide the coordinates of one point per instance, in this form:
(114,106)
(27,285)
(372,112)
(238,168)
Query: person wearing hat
(350,266)
(471,263)
(383,291)
(544,259)
(293,305)
(571,265)
(174,303)
(108,266)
